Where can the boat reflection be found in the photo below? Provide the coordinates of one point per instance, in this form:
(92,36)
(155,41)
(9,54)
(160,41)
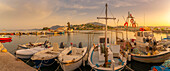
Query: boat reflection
(4,41)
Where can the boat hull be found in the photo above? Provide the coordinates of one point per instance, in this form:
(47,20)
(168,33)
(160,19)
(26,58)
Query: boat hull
(43,63)
(23,56)
(151,59)
(71,66)
(90,61)
(2,39)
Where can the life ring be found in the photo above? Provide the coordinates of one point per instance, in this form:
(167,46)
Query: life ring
(132,20)
(126,25)
(133,25)
(141,29)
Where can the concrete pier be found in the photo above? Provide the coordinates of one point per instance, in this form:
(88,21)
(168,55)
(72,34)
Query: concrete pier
(8,62)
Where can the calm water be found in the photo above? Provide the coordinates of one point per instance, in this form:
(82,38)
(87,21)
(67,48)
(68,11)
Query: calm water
(75,38)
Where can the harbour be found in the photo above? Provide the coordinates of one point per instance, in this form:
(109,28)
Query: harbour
(76,38)
(93,46)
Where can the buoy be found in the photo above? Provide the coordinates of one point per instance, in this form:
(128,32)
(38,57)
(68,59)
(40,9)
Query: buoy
(129,57)
(4,50)
(149,54)
(141,29)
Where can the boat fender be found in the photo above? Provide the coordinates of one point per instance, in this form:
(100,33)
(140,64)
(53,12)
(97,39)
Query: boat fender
(154,43)
(97,65)
(149,54)
(144,40)
(74,45)
(147,39)
(135,43)
(80,45)
(150,48)
(129,57)
(61,45)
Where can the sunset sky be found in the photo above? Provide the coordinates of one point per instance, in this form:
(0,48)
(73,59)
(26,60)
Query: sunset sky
(29,14)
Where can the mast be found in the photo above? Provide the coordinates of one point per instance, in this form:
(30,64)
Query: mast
(106,49)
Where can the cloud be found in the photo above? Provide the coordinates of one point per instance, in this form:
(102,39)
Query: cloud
(5,8)
(81,14)
(127,3)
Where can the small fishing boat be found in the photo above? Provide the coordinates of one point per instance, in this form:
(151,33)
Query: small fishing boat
(28,53)
(150,50)
(72,57)
(164,67)
(3,38)
(115,61)
(35,44)
(106,57)
(47,57)
(146,49)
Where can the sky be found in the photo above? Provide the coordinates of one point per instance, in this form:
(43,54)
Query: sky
(30,14)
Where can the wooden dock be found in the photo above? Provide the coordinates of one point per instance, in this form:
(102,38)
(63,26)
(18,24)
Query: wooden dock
(8,62)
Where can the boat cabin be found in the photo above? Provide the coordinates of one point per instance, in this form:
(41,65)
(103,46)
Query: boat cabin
(143,38)
(102,39)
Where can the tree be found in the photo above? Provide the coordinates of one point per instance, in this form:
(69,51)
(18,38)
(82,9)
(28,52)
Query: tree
(45,28)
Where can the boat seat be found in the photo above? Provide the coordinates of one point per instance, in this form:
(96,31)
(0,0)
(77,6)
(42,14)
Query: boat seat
(55,47)
(70,57)
(76,51)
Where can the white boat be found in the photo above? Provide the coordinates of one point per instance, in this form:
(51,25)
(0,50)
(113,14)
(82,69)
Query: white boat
(28,53)
(71,58)
(47,57)
(146,49)
(155,51)
(106,57)
(35,44)
(116,61)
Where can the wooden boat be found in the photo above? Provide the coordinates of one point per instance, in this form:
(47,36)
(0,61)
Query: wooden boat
(105,57)
(3,38)
(142,43)
(35,44)
(148,49)
(71,58)
(116,61)
(28,53)
(47,57)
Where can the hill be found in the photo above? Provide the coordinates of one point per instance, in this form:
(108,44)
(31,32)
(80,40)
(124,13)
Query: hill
(96,23)
(55,27)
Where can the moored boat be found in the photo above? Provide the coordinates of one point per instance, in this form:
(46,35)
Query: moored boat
(71,58)
(35,44)
(3,38)
(47,57)
(116,61)
(28,53)
(146,49)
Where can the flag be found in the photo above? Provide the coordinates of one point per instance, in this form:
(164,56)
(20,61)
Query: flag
(129,15)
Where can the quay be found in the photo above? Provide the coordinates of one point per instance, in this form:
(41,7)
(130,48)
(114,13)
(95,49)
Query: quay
(8,62)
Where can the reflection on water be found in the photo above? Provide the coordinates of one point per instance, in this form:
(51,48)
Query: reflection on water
(75,38)
(5,41)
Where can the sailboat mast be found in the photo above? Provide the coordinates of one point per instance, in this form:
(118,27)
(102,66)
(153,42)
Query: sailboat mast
(106,28)
(106,49)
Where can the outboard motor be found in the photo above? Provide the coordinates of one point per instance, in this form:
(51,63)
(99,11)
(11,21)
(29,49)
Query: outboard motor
(45,44)
(74,45)
(80,45)
(62,45)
